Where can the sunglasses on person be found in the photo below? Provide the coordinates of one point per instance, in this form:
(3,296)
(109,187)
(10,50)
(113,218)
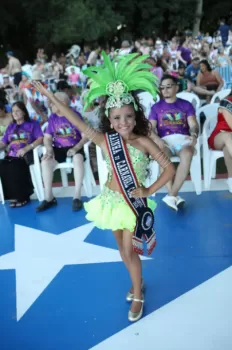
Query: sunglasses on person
(169,86)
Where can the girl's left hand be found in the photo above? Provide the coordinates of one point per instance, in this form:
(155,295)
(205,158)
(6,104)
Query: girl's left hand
(140,192)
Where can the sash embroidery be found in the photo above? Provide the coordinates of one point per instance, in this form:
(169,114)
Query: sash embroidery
(127,181)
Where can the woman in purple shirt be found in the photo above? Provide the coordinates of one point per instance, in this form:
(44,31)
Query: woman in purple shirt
(20,138)
(184,53)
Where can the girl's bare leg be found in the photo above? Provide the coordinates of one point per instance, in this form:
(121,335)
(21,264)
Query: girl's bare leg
(134,267)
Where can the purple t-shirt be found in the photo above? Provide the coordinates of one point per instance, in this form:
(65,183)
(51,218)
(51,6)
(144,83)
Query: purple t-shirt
(185,54)
(63,132)
(172,118)
(19,136)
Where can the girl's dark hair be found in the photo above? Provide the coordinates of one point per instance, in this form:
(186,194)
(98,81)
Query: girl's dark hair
(2,105)
(142,127)
(206,63)
(23,108)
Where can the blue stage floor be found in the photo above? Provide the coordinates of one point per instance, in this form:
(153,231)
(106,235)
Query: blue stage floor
(63,285)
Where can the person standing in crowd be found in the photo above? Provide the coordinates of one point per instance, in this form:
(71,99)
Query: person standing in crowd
(14,67)
(175,132)
(184,53)
(20,138)
(93,56)
(224,31)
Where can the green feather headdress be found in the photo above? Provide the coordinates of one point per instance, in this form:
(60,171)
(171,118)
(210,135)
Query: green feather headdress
(118,79)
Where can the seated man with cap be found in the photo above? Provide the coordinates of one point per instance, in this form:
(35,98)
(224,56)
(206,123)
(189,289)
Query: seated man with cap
(62,139)
(37,104)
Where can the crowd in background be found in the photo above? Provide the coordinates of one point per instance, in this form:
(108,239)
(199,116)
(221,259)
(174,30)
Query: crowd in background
(201,64)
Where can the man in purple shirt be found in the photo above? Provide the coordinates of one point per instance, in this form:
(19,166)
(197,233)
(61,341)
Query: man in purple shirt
(175,132)
(62,140)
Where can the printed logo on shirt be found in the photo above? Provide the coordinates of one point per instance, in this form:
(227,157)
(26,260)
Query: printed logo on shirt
(173,118)
(20,137)
(65,131)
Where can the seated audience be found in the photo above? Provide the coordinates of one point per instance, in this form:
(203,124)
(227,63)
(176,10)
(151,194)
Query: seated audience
(192,70)
(209,79)
(5,119)
(221,137)
(20,138)
(62,140)
(175,132)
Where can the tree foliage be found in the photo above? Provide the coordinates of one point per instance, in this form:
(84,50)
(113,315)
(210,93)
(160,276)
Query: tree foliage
(27,24)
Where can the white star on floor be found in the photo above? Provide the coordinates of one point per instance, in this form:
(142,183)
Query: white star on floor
(39,256)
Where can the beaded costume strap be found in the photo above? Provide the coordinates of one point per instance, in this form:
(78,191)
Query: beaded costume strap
(161,159)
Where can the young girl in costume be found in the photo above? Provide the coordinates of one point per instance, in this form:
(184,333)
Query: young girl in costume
(125,133)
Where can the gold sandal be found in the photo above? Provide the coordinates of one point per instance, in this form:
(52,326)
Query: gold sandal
(135,316)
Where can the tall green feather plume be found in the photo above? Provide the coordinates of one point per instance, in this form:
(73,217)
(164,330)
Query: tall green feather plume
(130,69)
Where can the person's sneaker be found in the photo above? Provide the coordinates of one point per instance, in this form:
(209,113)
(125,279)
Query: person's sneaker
(180,201)
(170,201)
(46,205)
(77,204)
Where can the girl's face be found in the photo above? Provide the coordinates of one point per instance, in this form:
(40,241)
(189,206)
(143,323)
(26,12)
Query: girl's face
(123,119)
(17,114)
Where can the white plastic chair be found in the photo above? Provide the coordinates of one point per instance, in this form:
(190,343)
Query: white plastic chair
(210,156)
(220,95)
(195,168)
(102,168)
(191,97)
(147,101)
(65,168)
(34,177)
(44,127)
(210,110)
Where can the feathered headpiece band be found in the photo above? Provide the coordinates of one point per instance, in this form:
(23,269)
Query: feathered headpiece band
(118,79)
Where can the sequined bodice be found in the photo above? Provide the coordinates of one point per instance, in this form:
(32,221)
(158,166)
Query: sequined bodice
(139,162)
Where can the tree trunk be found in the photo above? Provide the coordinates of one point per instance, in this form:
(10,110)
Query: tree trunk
(198,15)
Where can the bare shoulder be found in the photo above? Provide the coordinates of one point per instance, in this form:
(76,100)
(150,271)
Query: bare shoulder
(148,144)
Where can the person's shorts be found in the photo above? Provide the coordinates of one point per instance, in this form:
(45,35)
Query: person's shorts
(60,154)
(176,142)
